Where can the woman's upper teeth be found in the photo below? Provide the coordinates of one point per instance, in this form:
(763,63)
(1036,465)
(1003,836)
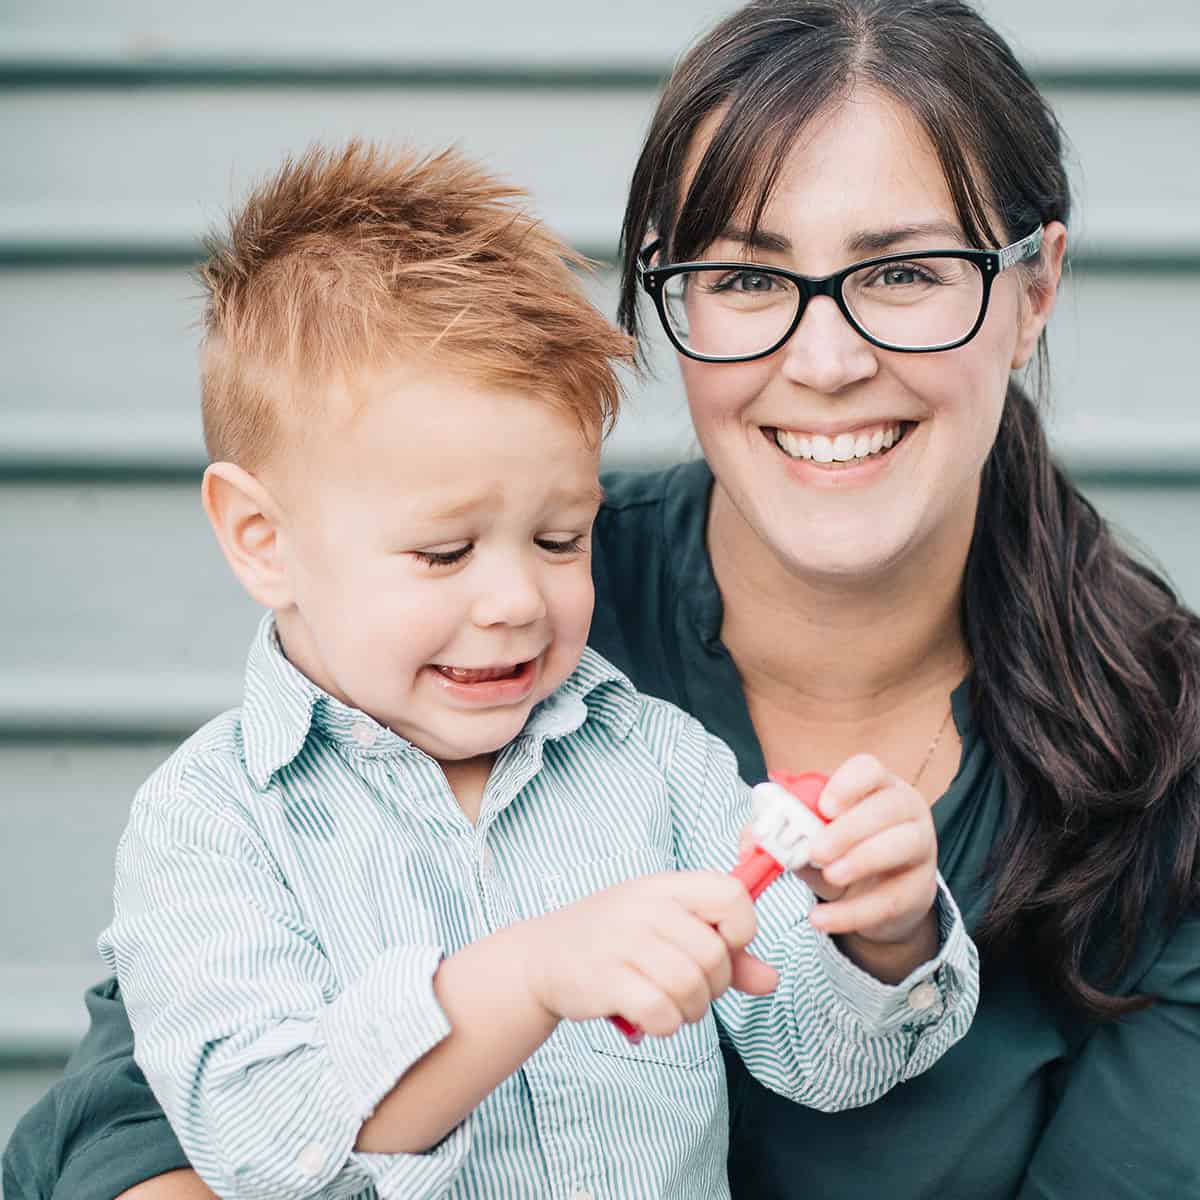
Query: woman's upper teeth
(862,443)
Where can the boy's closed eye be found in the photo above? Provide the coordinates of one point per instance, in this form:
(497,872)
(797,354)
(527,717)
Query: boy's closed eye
(443,556)
(567,543)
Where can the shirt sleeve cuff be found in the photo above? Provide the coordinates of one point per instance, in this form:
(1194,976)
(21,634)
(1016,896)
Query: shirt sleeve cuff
(383,1023)
(925,996)
(426,1176)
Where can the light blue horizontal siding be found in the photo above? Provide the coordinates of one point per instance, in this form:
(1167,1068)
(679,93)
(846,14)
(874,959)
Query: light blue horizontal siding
(127,126)
(103,167)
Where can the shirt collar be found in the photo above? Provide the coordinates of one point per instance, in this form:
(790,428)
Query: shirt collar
(277,706)
(595,690)
(281,706)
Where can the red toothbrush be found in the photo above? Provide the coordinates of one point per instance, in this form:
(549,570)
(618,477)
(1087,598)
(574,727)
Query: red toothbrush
(785,818)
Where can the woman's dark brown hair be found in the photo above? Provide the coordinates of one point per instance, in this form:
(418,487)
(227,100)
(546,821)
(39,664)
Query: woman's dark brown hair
(1086,679)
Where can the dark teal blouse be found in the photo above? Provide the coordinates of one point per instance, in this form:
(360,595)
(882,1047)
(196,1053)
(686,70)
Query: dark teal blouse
(1033,1103)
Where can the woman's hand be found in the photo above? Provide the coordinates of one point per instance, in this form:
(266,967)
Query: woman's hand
(874,866)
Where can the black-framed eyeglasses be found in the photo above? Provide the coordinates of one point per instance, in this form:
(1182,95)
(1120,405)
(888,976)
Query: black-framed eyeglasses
(914,303)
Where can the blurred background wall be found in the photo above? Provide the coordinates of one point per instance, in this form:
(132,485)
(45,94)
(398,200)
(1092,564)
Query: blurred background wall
(127,126)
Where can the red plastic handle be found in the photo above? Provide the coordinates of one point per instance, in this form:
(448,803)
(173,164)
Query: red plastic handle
(633,1033)
(807,788)
(758,870)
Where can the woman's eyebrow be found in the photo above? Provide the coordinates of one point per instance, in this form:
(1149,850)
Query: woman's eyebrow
(864,243)
(881,240)
(757,239)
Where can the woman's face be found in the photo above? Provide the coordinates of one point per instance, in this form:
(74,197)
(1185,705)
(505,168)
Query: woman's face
(864,175)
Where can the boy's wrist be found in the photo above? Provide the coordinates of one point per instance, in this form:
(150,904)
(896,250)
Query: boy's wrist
(532,948)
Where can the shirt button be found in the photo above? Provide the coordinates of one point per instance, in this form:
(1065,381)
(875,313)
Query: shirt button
(923,997)
(364,734)
(312,1159)
(581,1194)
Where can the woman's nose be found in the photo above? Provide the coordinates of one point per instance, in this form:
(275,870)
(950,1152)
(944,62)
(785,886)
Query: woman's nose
(825,353)
(509,595)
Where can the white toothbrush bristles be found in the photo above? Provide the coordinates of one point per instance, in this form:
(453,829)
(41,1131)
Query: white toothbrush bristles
(782,825)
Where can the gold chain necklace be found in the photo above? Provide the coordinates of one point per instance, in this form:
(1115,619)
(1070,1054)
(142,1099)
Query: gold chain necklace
(937,737)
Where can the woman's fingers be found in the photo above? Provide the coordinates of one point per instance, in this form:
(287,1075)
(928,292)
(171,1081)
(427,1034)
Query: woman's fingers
(892,803)
(894,848)
(889,910)
(857,777)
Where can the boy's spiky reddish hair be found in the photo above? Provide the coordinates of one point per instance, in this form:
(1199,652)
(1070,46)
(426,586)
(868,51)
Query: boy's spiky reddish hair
(352,257)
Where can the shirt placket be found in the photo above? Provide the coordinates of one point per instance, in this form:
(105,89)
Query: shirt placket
(559,1099)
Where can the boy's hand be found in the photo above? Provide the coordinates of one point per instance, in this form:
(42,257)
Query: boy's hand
(875,866)
(656,951)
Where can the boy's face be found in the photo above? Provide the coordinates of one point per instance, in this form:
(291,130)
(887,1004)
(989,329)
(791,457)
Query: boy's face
(437,548)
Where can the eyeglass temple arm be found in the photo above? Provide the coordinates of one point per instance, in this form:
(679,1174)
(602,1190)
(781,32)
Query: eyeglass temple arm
(647,252)
(1028,247)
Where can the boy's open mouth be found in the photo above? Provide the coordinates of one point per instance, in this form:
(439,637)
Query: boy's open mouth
(482,674)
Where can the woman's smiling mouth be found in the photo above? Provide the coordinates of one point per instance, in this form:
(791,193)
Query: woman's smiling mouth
(872,441)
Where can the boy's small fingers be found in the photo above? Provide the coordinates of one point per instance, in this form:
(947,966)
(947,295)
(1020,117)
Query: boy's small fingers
(648,1006)
(702,944)
(721,901)
(674,973)
(752,975)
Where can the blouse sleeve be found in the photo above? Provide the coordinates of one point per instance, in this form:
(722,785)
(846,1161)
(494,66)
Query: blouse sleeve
(830,1036)
(1127,1124)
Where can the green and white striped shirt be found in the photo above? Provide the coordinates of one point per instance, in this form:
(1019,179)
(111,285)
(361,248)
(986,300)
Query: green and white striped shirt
(291,877)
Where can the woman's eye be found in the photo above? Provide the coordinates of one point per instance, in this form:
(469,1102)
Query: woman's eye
(443,558)
(904,275)
(561,546)
(744,281)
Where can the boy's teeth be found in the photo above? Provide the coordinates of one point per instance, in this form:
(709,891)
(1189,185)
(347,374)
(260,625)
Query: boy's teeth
(484,675)
(844,448)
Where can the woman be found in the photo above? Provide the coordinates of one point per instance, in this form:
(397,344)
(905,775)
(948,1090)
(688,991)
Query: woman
(878,554)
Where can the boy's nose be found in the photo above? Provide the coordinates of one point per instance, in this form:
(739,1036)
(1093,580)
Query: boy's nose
(510,597)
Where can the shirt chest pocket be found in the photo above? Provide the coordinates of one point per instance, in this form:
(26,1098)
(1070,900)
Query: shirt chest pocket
(692,1045)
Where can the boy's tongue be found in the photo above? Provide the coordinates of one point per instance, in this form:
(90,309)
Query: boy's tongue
(479,675)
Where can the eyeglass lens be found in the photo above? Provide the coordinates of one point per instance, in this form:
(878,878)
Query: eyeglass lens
(910,304)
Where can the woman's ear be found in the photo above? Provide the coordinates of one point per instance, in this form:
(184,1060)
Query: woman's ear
(1040,293)
(245,519)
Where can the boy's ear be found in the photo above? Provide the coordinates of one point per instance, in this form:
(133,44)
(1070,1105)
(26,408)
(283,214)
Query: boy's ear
(245,519)
(1040,295)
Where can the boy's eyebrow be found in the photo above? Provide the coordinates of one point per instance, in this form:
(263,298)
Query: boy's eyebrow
(866,242)
(594,494)
(465,508)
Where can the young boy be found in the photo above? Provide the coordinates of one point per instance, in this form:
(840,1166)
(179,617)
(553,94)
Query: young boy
(368,926)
